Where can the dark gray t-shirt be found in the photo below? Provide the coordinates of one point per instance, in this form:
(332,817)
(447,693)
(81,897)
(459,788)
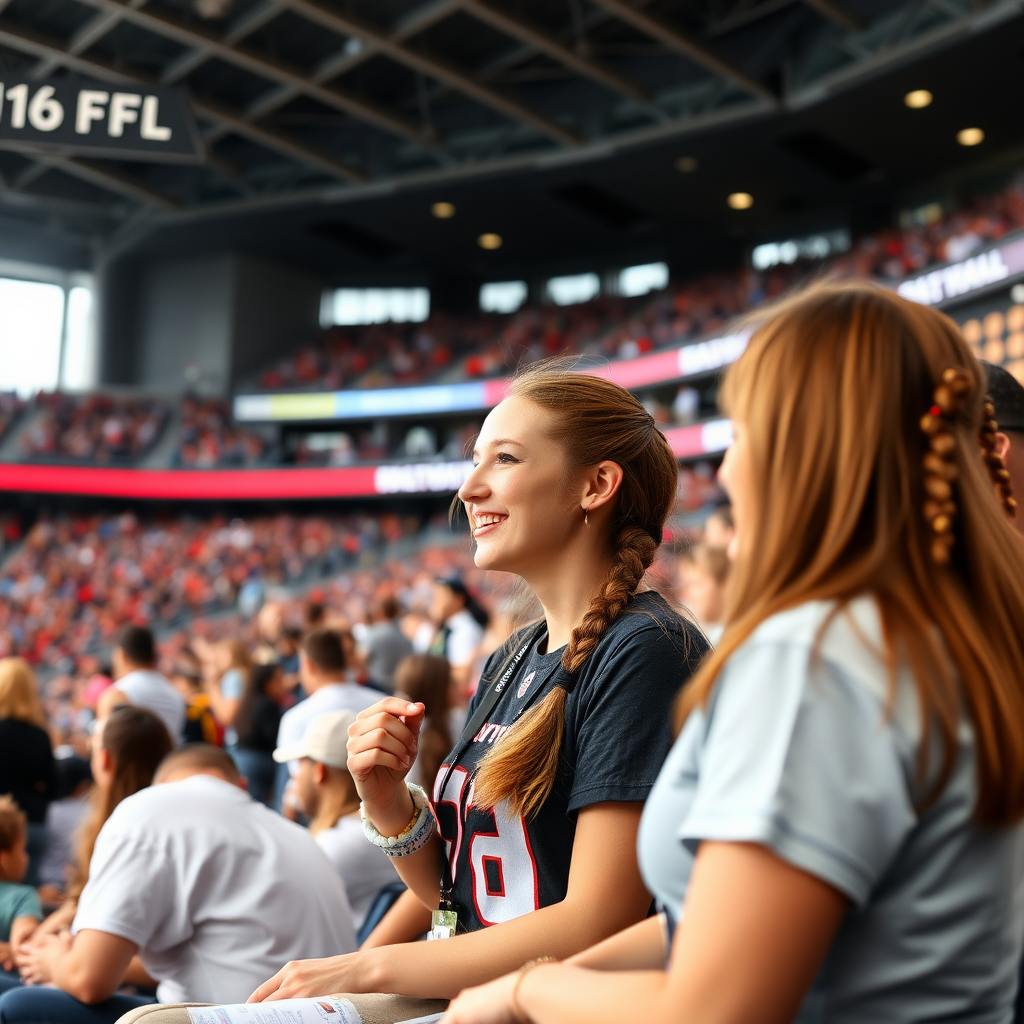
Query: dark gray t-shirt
(617,734)
(385,645)
(795,752)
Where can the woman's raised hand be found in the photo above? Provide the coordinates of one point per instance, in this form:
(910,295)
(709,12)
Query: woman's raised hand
(381,749)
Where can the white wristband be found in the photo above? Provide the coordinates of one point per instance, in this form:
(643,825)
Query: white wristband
(414,837)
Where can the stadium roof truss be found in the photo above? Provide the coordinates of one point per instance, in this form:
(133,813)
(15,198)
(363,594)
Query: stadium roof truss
(293,96)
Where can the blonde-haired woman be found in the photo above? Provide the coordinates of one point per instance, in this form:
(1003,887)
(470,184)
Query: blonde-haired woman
(26,756)
(538,804)
(840,814)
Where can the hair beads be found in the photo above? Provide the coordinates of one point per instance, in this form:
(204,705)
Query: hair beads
(940,469)
(996,467)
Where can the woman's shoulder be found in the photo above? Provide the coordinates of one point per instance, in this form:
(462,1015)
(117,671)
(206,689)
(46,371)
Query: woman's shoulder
(649,612)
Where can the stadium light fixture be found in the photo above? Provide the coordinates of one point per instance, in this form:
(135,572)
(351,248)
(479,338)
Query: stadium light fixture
(740,200)
(345,307)
(686,164)
(644,278)
(970,136)
(502,296)
(574,288)
(443,211)
(918,99)
(489,240)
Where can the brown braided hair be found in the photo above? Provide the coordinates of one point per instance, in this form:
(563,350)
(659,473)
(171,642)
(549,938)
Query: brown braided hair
(595,421)
(994,461)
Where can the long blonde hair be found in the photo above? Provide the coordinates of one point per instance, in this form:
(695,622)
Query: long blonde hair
(831,392)
(19,695)
(594,421)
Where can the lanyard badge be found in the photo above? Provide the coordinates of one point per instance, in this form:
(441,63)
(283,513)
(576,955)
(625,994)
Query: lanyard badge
(443,924)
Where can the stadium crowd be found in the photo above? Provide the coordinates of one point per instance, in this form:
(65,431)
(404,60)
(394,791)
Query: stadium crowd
(240,813)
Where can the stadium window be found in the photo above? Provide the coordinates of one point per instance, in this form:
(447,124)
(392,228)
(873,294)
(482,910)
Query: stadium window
(78,370)
(502,296)
(31,329)
(639,280)
(813,247)
(567,291)
(347,307)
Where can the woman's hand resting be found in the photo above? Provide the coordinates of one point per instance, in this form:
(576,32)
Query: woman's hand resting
(484,1004)
(382,745)
(305,978)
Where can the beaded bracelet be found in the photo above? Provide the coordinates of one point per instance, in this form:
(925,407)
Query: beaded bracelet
(513,1003)
(414,836)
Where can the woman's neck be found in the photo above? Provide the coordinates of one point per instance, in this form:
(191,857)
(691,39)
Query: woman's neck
(566,595)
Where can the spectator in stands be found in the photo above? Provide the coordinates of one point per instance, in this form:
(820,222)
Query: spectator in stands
(384,644)
(426,679)
(20,912)
(127,747)
(136,681)
(228,669)
(201,725)
(64,817)
(321,665)
(571,489)
(257,724)
(848,778)
(719,528)
(460,627)
(211,890)
(1008,399)
(328,797)
(26,757)
(703,575)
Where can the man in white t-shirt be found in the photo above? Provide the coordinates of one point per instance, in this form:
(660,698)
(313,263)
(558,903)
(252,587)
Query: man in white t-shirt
(136,681)
(213,891)
(322,666)
(328,796)
(459,637)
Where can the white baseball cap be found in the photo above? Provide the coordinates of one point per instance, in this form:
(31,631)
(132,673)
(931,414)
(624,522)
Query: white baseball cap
(325,740)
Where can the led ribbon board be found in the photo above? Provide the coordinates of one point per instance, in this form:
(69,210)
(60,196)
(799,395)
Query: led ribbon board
(69,116)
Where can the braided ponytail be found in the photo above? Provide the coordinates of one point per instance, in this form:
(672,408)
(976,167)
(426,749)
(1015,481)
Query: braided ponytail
(521,769)
(597,421)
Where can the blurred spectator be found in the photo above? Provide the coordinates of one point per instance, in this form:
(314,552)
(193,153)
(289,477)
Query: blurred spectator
(136,681)
(210,889)
(328,796)
(26,757)
(64,816)
(201,724)
(460,627)
(384,644)
(226,671)
(20,912)
(208,437)
(426,679)
(256,725)
(703,576)
(719,528)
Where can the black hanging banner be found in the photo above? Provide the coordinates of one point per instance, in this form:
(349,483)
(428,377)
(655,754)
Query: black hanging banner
(70,116)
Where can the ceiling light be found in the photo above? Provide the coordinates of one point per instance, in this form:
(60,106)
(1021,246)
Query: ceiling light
(970,136)
(741,200)
(918,99)
(443,210)
(489,241)
(686,164)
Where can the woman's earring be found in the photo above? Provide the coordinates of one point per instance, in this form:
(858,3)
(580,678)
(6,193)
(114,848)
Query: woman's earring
(586,518)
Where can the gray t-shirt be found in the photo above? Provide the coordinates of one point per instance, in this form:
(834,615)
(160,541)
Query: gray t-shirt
(385,645)
(795,752)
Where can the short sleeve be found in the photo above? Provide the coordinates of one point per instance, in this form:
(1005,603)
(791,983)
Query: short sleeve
(232,684)
(131,893)
(800,757)
(26,904)
(630,694)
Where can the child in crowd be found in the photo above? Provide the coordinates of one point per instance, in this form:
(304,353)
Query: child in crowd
(20,912)
(703,576)
(200,724)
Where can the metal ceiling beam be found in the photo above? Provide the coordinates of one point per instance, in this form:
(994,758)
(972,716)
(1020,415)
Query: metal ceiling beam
(684,43)
(263,67)
(344,61)
(433,67)
(541,40)
(835,13)
(38,46)
(112,181)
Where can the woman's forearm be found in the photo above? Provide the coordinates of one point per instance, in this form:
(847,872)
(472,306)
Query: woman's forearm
(406,921)
(440,970)
(640,948)
(563,994)
(421,872)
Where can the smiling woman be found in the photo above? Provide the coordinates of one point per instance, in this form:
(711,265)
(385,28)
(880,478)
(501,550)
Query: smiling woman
(537,807)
